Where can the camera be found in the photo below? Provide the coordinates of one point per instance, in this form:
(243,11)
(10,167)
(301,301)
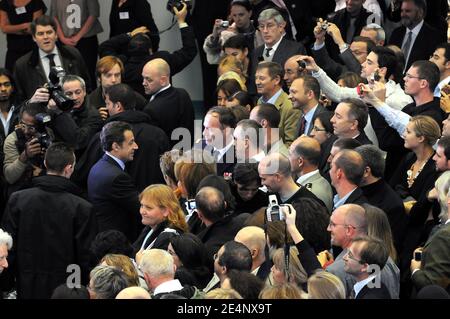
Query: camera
(301,64)
(43,138)
(325,26)
(418,256)
(225,24)
(191,205)
(274,211)
(55,90)
(178,4)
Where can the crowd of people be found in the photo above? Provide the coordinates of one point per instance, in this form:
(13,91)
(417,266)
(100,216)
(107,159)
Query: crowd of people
(322,170)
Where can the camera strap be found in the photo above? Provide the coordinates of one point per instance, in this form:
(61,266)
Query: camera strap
(287,253)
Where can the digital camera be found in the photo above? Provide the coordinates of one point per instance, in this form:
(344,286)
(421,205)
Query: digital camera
(178,4)
(225,24)
(44,139)
(274,211)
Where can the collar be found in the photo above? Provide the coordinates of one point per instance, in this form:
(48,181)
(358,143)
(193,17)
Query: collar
(223,151)
(361,284)
(258,157)
(274,98)
(275,46)
(168,286)
(440,86)
(119,161)
(340,201)
(303,178)
(43,55)
(416,29)
(160,90)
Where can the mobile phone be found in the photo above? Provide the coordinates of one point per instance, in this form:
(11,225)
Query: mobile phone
(376,76)
(359,90)
(418,256)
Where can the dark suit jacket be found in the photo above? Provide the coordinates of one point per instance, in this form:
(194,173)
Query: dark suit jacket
(29,73)
(97,100)
(285,50)
(115,198)
(374,293)
(226,164)
(363,139)
(357,197)
(172,109)
(424,45)
(334,69)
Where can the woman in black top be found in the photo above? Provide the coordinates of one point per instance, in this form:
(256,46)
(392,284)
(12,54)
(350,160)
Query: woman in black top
(15,21)
(127,15)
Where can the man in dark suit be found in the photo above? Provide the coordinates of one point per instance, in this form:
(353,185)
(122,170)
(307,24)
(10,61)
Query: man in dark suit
(219,123)
(305,94)
(380,194)
(32,70)
(347,170)
(169,107)
(276,47)
(350,119)
(110,188)
(364,260)
(415,37)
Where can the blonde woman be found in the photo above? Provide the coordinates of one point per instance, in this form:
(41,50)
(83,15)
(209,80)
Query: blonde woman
(296,274)
(162,216)
(325,285)
(123,263)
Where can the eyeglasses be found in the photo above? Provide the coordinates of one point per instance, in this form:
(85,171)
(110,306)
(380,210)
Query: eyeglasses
(350,256)
(318,129)
(27,126)
(409,76)
(331,224)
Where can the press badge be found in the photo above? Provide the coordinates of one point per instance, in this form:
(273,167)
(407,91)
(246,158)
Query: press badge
(124,15)
(21,10)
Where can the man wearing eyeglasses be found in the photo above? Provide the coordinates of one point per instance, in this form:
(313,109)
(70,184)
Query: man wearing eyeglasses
(364,260)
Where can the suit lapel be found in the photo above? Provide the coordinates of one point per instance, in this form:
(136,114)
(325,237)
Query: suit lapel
(111,161)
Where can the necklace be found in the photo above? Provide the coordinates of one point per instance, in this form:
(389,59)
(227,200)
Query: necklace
(411,176)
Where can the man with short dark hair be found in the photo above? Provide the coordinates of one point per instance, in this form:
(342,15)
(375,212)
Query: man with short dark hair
(54,212)
(380,194)
(269,76)
(220,227)
(305,95)
(268,116)
(347,170)
(442,155)
(110,189)
(9,104)
(350,118)
(231,255)
(441,57)
(292,70)
(364,258)
(32,70)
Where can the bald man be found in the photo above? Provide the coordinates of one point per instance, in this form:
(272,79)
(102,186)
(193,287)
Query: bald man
(304,155)
(170,108)
(292,69)
(133,293)
(275,173)
(254,239)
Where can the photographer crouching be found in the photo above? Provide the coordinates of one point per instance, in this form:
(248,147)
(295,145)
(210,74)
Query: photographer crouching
(24,149)
(73,120)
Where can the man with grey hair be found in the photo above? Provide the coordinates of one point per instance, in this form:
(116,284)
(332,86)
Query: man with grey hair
(276,47)
(374,32)
(248,142)
(220,226)
(275,173)
(159,269)
(6,243)
(379,193)
(106,282)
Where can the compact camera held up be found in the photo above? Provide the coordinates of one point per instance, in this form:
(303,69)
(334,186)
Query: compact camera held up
(178,4)
(275,211)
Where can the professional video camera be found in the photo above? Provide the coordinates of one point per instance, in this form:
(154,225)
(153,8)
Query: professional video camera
(55,90)
(178,4)
(275,211)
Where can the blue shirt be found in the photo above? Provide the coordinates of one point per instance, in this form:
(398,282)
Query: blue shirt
(341,201)
(120,162)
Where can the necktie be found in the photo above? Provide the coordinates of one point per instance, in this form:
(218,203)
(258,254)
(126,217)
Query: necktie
(352,294)
(350,31)
(51,59)
(407,46)
(268,52)
(216,155)
(301,130)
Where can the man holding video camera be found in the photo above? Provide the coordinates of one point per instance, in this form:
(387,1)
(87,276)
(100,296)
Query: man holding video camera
(33,69)
(24,149)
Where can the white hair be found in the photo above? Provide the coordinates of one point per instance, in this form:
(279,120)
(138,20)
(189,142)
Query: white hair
(6,239)
(157,262)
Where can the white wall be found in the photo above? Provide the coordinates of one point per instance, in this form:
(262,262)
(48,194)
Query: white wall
(190,79)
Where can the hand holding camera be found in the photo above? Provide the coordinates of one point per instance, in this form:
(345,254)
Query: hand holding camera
(40,96)
(275,211)
(32,148)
